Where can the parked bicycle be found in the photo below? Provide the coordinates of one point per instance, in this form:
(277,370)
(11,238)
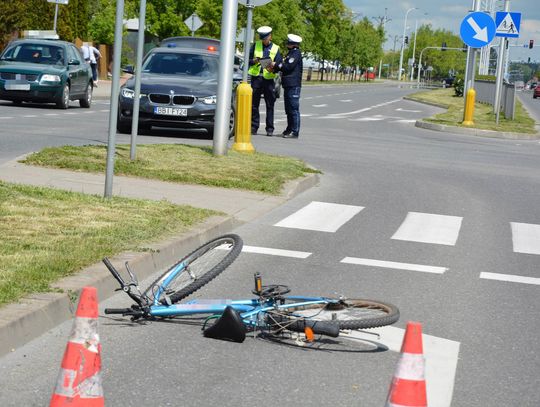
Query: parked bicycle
(270,312)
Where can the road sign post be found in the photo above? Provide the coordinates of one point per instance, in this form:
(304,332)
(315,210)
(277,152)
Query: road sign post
(194,23)
(64,2)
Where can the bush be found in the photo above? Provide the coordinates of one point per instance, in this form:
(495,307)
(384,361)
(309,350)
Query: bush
(459,85)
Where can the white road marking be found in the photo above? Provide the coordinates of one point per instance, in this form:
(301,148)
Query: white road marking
(51,114)
(394,265)
(30,115)
(104,110)
(276,252)
(404,121)
(323,105)
(346,100)
(399,109)
(441,359)
(510,277)
(89,112)
(366,108)
(7,117)
(367,119)
(526,238)
(70,113)
(320,216)
(306,115)
(429,228)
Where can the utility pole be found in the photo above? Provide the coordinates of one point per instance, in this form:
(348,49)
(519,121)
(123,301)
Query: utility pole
(382,23)
(500,67)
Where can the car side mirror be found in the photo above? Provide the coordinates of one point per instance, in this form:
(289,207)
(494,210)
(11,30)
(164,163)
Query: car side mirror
(128,69)
(74,62)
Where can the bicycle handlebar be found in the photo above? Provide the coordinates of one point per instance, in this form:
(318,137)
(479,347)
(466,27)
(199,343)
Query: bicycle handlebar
(118,310)
(114,272)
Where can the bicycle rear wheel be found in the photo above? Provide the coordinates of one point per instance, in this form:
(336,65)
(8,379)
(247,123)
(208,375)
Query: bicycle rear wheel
(348,313)
(200,267)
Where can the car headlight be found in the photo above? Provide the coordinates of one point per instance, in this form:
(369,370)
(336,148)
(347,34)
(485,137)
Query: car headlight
(50,78)
(128,93)
(209,100)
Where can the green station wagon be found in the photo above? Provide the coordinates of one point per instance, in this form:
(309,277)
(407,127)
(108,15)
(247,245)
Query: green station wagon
(45,71)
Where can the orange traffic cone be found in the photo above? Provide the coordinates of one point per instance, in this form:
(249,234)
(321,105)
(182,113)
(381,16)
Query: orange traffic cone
(79,380)
(408,386)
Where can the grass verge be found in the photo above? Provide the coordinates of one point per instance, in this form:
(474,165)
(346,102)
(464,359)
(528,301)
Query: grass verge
(484,118)
(181,163)
(48,234)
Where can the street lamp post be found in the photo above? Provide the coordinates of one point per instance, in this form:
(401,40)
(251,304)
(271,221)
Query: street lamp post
(403,41)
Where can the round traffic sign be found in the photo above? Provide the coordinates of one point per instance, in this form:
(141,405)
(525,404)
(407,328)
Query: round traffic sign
(477,29)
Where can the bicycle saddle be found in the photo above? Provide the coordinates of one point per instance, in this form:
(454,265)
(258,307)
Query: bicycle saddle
(228,327)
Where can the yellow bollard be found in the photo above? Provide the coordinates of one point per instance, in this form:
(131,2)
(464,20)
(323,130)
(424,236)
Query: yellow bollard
(242,130)
(469,108)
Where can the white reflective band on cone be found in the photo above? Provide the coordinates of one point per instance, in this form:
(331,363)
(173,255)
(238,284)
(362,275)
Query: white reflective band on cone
(411,367)
(85,333)
(89,388)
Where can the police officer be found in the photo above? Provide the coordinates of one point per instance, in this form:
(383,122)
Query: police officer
(262,80)
(291,80)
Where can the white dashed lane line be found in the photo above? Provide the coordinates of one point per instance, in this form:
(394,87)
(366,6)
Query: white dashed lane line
(510,278)
(394,265)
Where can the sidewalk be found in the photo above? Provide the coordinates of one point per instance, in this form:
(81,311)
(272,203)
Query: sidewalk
(103,89)
(36,314)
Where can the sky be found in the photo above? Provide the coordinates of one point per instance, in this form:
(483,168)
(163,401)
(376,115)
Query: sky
(449,15)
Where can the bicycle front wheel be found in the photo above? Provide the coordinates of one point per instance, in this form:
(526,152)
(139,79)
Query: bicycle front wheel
(347,313)
(200,267)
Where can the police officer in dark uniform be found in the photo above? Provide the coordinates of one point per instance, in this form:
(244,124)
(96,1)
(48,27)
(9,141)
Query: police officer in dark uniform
(262,80)
(291,80)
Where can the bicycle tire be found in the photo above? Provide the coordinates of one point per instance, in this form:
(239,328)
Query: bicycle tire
(204,264)
(347,313)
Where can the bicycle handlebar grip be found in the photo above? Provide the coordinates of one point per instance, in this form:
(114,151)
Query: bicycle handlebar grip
(118,310)
(113,271)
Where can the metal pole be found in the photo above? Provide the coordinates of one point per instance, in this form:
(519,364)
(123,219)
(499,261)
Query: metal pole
(471,60)
(114,97)
(403,42)
(500,62)
(414,48)
(138,74)
(247,41)
(226,61)
(55,17)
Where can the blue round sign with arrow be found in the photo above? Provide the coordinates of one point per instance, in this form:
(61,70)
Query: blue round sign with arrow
(477,29)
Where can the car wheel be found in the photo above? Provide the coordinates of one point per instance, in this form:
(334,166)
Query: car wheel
(86,101)
(63,103)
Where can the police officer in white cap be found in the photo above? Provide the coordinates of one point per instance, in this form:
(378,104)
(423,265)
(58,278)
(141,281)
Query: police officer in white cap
(262,80)
(291,79)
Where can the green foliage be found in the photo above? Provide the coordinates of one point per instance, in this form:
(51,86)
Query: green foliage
(490,78)
(459,85)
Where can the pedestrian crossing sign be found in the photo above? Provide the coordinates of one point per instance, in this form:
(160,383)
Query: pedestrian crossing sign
(507,24)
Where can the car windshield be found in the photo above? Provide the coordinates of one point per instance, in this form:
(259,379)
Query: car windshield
(175,63)
(35,53)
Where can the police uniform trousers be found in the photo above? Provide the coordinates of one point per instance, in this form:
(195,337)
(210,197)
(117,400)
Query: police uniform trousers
(262,87)
(292,108)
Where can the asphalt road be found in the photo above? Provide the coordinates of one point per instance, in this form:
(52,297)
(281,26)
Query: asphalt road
(466,208)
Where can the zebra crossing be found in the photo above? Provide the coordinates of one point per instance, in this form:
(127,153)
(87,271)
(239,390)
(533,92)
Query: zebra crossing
(427,228)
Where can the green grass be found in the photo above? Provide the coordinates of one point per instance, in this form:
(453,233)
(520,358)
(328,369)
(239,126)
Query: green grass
(181,163)
(48,234)
(483,118)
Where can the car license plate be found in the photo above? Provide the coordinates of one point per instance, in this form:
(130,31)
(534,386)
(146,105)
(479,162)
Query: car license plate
(17,86)
(170,111)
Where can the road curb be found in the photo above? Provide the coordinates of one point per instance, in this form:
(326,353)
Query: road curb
(35,314)
(475,132)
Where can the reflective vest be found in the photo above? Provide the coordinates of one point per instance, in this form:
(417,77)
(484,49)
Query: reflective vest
(254,70)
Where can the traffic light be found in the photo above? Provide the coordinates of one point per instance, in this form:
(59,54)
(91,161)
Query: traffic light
(406,39)
(443,47)
(531,43)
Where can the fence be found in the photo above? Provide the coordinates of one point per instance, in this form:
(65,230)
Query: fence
(485,93)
